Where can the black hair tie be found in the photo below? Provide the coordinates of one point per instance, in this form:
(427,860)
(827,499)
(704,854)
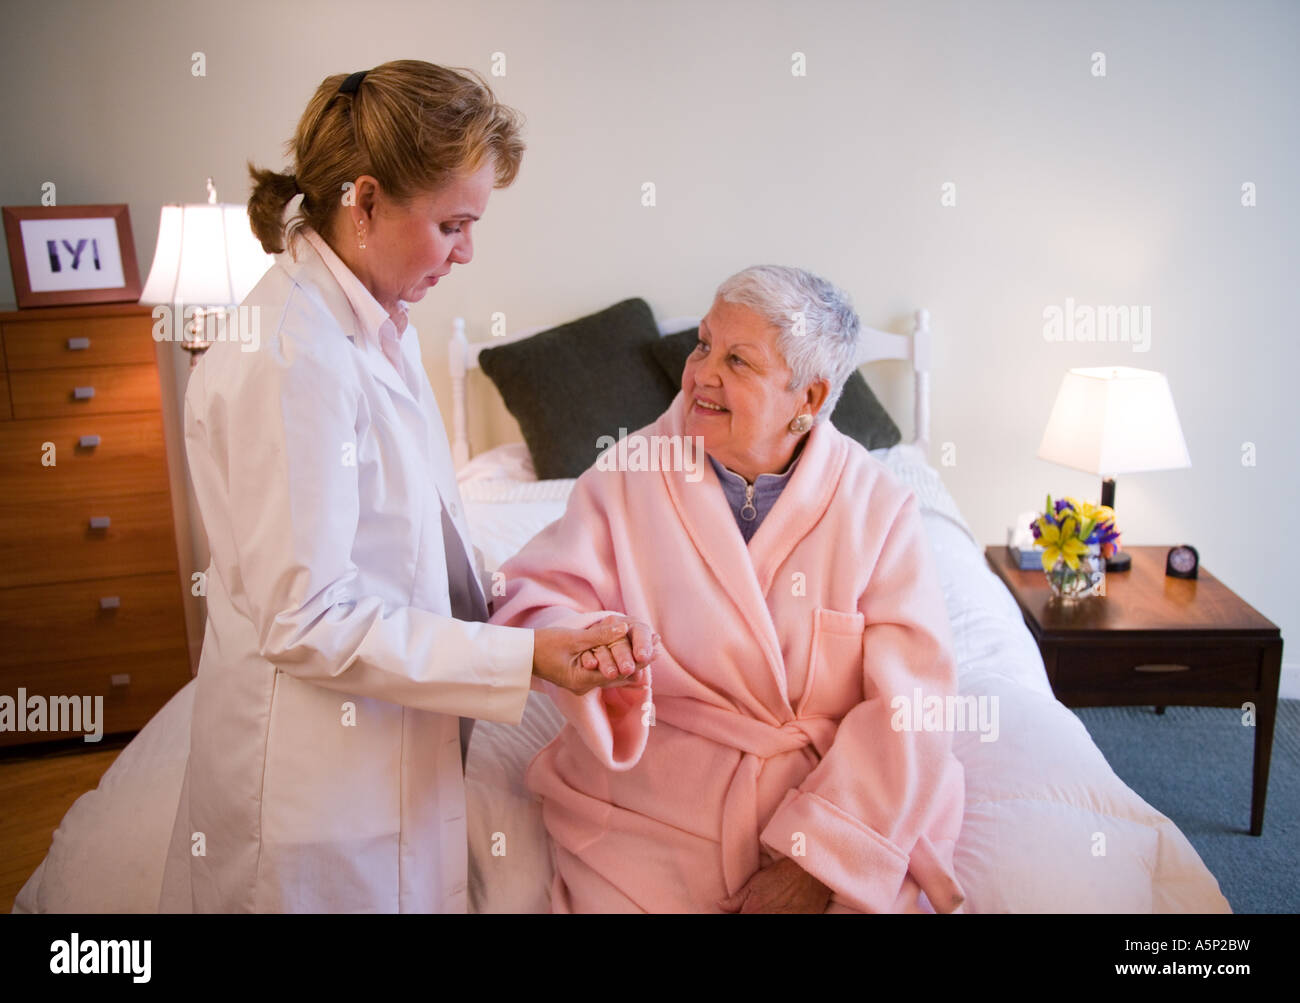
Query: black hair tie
(350,85)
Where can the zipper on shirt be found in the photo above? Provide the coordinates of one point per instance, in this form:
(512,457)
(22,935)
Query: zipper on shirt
(749,504)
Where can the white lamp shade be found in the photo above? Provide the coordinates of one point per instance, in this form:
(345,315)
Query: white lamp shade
(206,256)
(1114,420)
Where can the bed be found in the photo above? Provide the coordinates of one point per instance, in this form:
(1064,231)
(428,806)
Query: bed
(1048,826)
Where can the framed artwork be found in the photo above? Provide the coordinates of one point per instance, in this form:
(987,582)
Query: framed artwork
(71,254)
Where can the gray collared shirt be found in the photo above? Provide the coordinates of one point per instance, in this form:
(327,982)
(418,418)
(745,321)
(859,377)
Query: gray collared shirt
(767,488)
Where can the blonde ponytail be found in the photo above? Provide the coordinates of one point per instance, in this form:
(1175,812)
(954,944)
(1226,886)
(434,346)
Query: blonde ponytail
(412,125)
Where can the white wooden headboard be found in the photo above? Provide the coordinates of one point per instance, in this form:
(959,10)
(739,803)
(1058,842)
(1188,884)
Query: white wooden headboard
(877,346)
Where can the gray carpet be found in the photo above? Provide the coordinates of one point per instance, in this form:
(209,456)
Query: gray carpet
(1194,764)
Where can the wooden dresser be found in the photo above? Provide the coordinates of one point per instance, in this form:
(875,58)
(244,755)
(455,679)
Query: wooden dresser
(91,596)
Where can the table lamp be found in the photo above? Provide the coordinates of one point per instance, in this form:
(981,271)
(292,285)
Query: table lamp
(1114,420)
(207,259)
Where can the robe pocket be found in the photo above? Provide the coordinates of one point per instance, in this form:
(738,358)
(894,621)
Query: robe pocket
(835,670)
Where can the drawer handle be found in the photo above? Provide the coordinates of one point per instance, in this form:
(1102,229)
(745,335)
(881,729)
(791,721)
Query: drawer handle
(99,522)
(88,441)
(120,679)
(83,393)
(110,602)
(78,344)
(1161,668)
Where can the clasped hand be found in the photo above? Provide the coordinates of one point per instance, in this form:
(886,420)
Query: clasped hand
(782,886)
(616,651)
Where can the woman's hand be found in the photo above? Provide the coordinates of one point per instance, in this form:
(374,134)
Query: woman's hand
(631,653)
(782,886)
(565,657)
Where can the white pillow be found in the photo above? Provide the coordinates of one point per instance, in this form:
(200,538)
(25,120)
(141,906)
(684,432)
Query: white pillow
(510,462)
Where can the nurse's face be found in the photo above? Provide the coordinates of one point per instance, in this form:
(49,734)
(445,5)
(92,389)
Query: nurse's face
(410,246)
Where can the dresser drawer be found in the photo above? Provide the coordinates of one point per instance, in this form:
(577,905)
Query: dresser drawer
(98,455)
(92,341)
(54,541)
(133,689)
(107,618)
(57,393)
(1154,668)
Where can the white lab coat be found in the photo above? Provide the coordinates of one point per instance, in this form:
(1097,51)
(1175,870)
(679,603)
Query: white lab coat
(324,770)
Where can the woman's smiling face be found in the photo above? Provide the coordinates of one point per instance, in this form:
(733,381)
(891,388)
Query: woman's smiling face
(735,383)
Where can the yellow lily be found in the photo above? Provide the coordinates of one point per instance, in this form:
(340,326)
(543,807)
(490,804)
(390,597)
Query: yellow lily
(1060,543)
(1097,513)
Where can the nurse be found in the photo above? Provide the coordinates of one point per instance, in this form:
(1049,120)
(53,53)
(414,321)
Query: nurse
(345,638)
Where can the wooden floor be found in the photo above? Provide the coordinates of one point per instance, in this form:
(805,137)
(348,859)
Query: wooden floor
(36,790)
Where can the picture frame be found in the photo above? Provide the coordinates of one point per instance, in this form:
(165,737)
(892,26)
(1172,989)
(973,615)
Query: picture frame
(71,254)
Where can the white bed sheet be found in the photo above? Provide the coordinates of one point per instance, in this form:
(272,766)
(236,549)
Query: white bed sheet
(1039,801)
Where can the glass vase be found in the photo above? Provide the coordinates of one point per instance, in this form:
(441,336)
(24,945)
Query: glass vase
(1089,579)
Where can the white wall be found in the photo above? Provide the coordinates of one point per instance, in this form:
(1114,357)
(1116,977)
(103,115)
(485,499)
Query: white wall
(1115,190)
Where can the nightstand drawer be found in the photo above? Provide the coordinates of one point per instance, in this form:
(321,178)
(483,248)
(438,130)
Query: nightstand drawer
(92,341)
(107,618)
(57,393)
(1138,668)
(93,455)
(69,540)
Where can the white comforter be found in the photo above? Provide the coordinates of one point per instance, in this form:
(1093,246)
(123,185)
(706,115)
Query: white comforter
(1048,826)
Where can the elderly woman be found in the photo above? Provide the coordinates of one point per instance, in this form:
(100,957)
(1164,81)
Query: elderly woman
(755,766)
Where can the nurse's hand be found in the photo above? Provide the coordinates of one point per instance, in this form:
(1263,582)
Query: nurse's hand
(558,655)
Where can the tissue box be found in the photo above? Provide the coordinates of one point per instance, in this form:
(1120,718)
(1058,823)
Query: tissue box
(1028,560)
(1020,542)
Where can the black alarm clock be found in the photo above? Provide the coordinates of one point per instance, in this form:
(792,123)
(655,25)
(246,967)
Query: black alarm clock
(1182,562)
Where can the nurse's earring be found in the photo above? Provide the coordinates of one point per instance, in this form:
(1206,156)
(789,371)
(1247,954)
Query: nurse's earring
(801,424)
(361,238)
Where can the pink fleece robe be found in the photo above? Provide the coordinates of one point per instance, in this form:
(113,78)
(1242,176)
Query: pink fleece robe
(766,728)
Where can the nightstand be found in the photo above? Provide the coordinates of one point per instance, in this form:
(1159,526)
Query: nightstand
(1158,641)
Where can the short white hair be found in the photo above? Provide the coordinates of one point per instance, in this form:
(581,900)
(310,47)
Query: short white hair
(818,327)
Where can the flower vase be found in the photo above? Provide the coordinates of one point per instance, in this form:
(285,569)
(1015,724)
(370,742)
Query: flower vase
(1089,579)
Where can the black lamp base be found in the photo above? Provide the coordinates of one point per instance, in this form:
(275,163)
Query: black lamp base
(1120,561)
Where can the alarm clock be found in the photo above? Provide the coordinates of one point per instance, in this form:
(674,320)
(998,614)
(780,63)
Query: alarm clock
(1182,562)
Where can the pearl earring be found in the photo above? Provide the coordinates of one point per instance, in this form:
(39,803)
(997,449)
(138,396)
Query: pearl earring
(801,424)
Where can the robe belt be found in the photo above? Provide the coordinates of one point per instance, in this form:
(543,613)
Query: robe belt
(741,848)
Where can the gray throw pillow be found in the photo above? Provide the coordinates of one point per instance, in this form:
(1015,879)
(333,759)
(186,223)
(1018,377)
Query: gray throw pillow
(588,378)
